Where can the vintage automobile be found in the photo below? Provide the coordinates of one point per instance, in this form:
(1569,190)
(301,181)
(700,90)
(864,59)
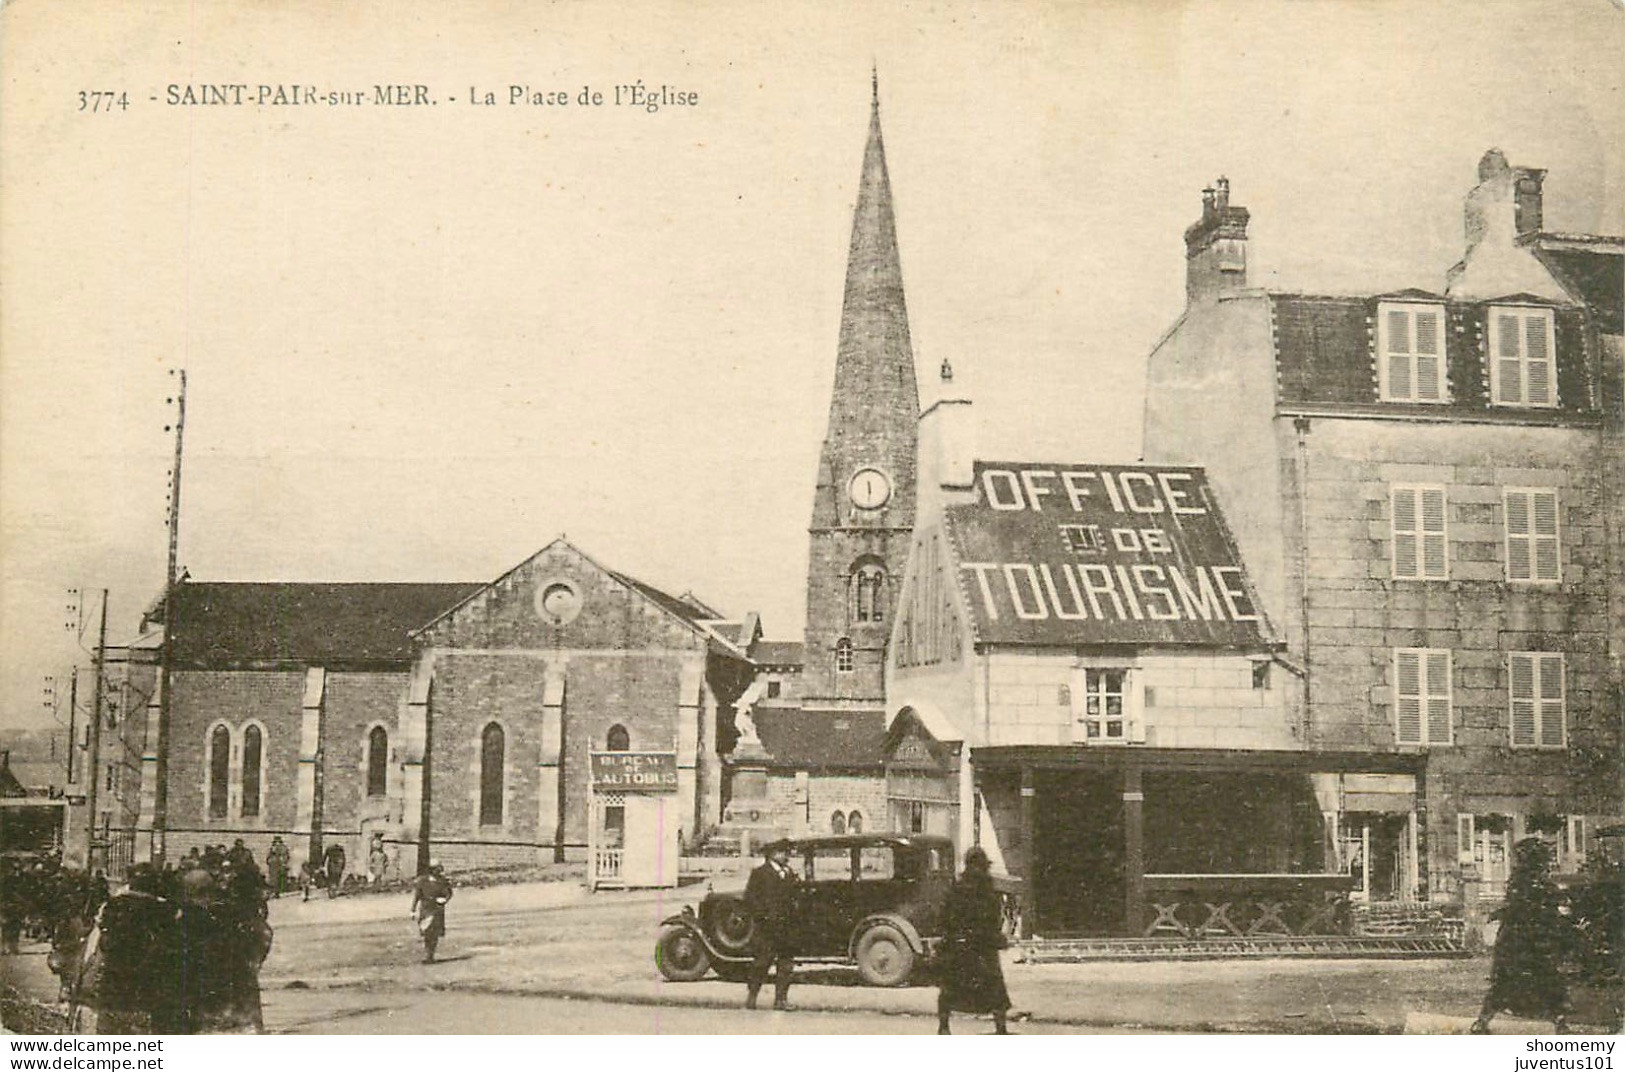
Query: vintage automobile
(874,900)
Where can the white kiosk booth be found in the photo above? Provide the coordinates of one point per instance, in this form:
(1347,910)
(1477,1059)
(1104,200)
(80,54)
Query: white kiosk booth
(632,838)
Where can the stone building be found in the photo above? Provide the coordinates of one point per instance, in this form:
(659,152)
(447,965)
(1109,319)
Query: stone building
(863,502)
(1425,486)
(463,721)
(1083,682)
(823,699)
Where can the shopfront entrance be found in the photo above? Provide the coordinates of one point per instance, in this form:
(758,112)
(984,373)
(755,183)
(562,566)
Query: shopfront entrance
(632,839)
(1079,880)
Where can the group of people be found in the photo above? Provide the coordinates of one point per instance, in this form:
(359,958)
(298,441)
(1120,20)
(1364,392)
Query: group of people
(179,949)
(970,974)
(40,897)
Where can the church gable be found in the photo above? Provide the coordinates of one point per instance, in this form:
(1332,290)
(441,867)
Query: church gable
(560,598)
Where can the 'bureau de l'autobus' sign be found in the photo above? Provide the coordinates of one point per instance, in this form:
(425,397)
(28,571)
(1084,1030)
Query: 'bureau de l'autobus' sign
(634,772)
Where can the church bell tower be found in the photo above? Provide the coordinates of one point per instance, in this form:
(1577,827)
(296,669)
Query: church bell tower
(863,509)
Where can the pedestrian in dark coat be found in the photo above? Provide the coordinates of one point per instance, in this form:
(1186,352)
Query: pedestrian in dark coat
(276,861)
(131,967)
(972,977)
(770,897)
(430,893)
(1526,978)
(333,866)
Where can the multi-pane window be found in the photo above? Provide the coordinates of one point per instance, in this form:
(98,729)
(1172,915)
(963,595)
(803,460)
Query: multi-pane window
(1411,341)
(1420,545)
(1531,535)
(843,656)
(1522,372)
(1536,699)
(1103,715)
(1421,696)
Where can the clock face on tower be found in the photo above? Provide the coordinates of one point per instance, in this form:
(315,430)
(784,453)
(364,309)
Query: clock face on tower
(869,489)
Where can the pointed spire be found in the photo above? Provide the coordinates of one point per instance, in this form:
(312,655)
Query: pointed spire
(875,357)
(874,87)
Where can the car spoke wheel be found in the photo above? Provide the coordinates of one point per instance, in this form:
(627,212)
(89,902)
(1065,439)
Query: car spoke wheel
(733,927)
(681,956)
(884,956)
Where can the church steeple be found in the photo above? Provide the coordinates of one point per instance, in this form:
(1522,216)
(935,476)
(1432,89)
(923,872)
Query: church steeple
(863,511)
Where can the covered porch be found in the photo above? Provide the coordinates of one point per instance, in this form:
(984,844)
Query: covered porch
(1181,843)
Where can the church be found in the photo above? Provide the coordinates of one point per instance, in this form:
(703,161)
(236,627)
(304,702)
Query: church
(564,711)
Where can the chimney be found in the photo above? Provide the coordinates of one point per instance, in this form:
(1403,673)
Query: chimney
(1506,203)
(947,446)
(1216,246)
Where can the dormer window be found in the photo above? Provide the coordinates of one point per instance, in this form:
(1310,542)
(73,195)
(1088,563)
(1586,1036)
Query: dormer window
(1522,371)
(1410,338)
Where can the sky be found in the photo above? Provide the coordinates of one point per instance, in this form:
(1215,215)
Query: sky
(423,341)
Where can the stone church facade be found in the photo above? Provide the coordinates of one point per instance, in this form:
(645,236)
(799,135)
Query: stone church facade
(460,721)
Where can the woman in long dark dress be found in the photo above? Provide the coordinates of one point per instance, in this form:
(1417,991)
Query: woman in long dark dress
(1525,975)
(972,978)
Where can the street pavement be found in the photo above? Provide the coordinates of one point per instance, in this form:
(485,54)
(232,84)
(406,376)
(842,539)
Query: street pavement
(552,956)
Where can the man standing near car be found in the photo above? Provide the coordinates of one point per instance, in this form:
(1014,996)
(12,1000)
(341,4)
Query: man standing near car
(770,896)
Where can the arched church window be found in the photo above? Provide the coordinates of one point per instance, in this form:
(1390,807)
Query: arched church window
(253,751)
(219,770)
(867,593)
(377,762)
(843,656)
(492,748)
(854,822)
(618,740)
(837,822)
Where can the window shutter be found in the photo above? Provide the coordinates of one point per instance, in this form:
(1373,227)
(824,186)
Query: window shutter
(1538,359)
(1544,508)
(1427,356)
(1134,708)
(1438,697)
(1522,669)
(1433,534)
(1551,700)
(1520,556)
(1464,838)
(1404,532)
(1409,697)
(1509,369)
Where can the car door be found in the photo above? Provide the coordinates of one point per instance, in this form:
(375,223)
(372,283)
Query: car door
(826,901)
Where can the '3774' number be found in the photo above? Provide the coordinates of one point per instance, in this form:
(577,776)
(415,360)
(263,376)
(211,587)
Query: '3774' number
(103,100)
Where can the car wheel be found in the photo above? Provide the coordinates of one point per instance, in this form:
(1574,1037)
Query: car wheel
(884,956)
(681,956)
(733,927)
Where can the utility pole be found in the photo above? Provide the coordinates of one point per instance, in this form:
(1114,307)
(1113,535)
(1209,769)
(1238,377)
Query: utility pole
(73,709)
(160,810)
(93,765)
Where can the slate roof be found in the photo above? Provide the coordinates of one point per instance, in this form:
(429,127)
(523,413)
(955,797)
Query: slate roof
(812,740)
(1325,354)
(1597,275)
(1084,573)
(690,610)
(224,623)
(778,653)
